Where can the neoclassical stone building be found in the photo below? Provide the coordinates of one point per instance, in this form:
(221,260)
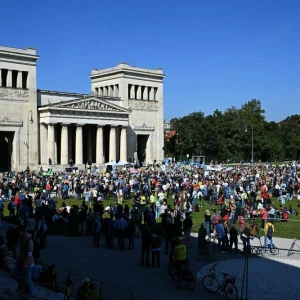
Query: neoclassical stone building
(121,119)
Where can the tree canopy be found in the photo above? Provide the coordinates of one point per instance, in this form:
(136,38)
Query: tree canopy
(229,135)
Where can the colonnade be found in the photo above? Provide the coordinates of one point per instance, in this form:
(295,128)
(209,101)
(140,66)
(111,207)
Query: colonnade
(13,78)
(108,91)
(49,143)
(140,92)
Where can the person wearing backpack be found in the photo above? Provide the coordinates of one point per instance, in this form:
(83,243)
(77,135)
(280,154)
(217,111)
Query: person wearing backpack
(269,230)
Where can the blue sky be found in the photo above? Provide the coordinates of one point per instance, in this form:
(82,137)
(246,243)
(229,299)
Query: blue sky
(215,54)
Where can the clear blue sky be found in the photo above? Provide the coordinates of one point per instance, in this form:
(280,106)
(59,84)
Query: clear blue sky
(216,54)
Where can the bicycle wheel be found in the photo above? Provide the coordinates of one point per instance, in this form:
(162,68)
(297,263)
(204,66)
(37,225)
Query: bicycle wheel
(210,284)
(230,291)
(190,280)
(172,270)
(275,251)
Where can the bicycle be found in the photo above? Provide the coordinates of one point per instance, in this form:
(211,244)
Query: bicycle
(187,274)
(212,284)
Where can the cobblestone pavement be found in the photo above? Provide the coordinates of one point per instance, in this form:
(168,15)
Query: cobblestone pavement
(122,268)
(268,279)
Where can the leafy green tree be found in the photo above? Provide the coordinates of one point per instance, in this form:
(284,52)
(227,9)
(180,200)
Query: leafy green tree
(222,135)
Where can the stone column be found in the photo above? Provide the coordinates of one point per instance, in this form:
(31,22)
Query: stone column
(70,142)
(149,151)
(64,145)
(79,145)
(123,144)
(139,93)
(112,143)
(0,77)
(99,145)
(44,144)
(132,92)
(9,78)
(90,145)
(51,143)
(116,90)
(111,91)
(151,93)
(19,80)
(145,94)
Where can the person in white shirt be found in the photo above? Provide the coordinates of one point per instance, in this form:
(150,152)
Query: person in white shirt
(163,207)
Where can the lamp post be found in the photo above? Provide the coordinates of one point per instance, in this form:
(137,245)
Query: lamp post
(252,161)
(29,120)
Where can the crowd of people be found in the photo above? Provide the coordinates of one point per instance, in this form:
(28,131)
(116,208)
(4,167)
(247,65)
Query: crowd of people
(172,193)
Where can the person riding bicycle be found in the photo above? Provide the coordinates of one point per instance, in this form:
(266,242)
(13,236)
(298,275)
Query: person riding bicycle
(179,255)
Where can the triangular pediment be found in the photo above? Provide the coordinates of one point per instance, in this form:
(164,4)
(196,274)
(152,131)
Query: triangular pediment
(90,104)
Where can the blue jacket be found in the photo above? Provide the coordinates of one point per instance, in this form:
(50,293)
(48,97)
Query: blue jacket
(220,230)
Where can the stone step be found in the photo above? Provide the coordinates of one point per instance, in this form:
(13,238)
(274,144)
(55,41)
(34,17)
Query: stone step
(8,289)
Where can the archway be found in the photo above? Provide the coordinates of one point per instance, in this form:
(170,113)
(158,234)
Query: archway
(141,147)
(6,139)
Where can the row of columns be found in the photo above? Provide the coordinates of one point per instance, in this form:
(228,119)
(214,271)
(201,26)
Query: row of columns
(64,160)
(142,92)
(9,78)
(109,90)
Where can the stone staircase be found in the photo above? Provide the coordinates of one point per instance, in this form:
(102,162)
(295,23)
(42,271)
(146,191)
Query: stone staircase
(8,290)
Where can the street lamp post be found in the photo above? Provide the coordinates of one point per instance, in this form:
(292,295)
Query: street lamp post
(29,120)
(252,159)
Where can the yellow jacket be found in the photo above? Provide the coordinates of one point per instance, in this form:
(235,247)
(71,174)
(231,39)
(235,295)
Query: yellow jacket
(267,226)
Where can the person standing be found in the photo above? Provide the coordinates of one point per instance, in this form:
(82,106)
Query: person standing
(269,230)
(220,233)
(82,219)
(233,238)
(146,244)
(157,208)
(202,243)
(120,227)
(24,262)
(155,249)
(96,229)
(207,221)
(187,228)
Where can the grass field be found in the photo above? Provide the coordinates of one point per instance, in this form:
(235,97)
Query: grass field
(289,229)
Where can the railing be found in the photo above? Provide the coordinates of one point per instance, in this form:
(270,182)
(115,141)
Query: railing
(72,281)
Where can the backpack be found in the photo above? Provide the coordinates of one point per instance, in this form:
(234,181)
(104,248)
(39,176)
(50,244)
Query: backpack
(270,231)
(216,219)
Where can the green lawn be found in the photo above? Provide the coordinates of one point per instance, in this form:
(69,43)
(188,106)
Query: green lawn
(290,229)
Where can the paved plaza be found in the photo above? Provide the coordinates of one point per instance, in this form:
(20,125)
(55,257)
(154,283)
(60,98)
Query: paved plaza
(270,277)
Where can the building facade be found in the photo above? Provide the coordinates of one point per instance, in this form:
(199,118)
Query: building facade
(121,119)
